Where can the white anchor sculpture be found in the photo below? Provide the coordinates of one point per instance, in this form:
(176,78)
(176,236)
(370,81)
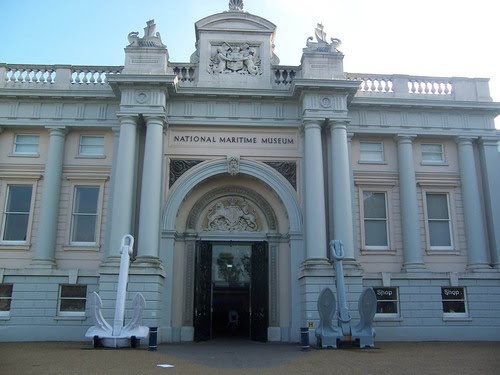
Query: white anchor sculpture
(119,335)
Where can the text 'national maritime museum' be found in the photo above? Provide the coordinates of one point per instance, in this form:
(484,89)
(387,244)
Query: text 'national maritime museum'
(233,173)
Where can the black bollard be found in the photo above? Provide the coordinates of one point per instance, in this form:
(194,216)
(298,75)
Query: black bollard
(304,338)
(153,338)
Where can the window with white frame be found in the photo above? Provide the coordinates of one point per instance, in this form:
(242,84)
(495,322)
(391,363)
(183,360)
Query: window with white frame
(387,301)
(438,220)
(17,213)
(72,300)
(5,298)
(432,153)
(91,145)
(84,214)
(26,144)
(371,152)
(375,220)
(454,302)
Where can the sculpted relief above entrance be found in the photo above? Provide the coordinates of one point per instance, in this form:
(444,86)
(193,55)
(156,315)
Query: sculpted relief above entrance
(233,214)
(237,58)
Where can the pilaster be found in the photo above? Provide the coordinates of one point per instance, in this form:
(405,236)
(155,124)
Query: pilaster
(412,248)
(473,216)
(47,229)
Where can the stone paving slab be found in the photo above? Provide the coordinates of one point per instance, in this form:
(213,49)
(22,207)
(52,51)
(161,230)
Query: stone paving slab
(230,357)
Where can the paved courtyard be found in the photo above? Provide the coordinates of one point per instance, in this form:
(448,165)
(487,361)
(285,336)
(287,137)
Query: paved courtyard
(245,357)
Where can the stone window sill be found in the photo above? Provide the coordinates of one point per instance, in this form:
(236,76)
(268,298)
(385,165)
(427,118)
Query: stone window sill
(74,317)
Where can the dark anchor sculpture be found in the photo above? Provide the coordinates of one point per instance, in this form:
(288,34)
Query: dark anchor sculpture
(329,335)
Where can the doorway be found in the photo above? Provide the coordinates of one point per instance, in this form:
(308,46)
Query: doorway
(231,290)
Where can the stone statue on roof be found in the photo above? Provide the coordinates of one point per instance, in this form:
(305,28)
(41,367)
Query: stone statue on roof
(150,38)
(321,45)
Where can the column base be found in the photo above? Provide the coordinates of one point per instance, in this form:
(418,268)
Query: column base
(43,263)
(479,267)
(414,267)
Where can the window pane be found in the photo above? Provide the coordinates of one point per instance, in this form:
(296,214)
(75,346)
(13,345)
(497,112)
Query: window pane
(19,199)
(374,205)
(16,227)
(439,232)
(387,307)
(91,145)
(371,151)
(72,305)
(75,291)
(432,152)
(437,206)
(84,228)
(5,304)
(26,144)
(6,290)
(375,233)
(86,199)
(454,307)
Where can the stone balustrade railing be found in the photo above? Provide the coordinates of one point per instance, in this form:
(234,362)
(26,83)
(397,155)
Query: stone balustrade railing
(416,87)
(371,85)
(40,75)
(284,75)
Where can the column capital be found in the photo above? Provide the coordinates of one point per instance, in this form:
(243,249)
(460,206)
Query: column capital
(465,140)
(312,123)
(404,138)
(57,130)
(484,141)
(155,119)
(338,123)
(127,117)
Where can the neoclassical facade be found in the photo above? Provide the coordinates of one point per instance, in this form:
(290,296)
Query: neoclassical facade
(233,173)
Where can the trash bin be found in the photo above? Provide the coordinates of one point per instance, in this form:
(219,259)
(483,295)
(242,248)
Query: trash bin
(153,339)
(304,338)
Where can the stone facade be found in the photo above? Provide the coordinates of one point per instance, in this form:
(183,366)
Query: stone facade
(233,148)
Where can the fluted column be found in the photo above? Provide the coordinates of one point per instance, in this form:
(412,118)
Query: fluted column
(490,162)
(49,211)
(341,188)
(473,216)
(412,248)
(315,213)
(123,186)
(150,209)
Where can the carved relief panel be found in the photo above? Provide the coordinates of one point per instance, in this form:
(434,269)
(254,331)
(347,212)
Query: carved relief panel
(232,214)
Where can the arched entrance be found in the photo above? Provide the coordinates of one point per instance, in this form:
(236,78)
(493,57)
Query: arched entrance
(232,293)
(207,207)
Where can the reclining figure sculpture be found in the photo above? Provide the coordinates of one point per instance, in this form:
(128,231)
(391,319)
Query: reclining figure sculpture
(119,335)
(329,335)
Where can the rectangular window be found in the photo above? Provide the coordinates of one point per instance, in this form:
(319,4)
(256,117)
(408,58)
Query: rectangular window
(387,301)
(371,152)
(5,298)
(84,215)
(72,299)
(438,220)
(375,220)
(26,144)
(91,145)
(17,212)
(453,299)
(432,153)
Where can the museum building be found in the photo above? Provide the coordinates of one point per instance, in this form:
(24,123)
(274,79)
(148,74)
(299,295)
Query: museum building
(232,173)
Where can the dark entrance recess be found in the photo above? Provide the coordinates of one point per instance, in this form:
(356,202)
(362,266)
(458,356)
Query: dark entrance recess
(231,290)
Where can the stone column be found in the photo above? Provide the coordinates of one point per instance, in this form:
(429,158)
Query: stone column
(315,214)
(412,248)
(123,186)
(341,188)
(490,162)
(477,252)
(49,211)
(150,209)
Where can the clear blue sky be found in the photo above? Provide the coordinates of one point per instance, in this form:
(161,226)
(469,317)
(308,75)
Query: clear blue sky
(424,37)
